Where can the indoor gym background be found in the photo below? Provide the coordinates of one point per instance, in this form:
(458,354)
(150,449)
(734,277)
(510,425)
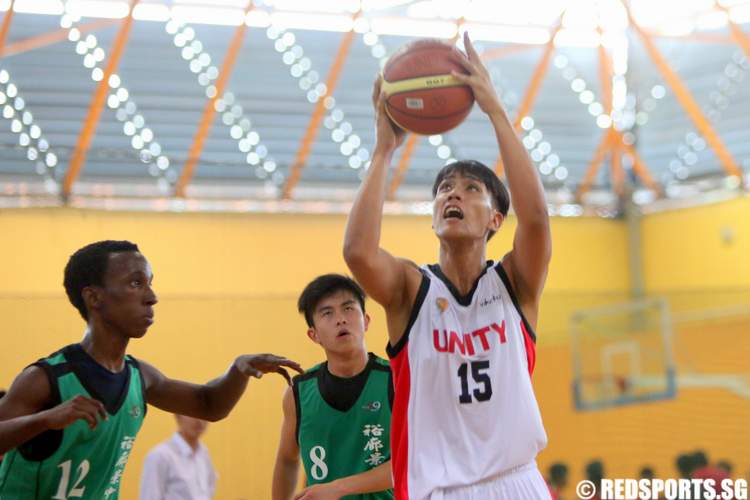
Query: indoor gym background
(229,264)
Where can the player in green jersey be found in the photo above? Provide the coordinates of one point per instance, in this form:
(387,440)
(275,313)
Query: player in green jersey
(337,414)
(69,420)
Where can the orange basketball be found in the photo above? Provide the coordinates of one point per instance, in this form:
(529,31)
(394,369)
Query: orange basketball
(423,96)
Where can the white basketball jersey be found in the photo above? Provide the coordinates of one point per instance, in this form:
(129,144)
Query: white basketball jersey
(464,409)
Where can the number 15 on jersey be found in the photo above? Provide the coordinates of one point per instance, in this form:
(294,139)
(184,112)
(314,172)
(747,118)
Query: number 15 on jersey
(481,386)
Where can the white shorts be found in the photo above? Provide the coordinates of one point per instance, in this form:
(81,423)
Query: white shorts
(520,483)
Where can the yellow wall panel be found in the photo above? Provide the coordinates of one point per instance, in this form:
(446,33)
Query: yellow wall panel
(228,285)
(698,248)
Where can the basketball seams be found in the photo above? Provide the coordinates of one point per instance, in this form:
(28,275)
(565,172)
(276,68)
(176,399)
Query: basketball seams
(398,57)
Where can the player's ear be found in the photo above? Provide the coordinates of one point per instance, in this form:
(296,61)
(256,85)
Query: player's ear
(91,297)
(496,220)
(313,335)
(367,321)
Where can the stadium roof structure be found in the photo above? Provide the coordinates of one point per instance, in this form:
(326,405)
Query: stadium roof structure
(265,106)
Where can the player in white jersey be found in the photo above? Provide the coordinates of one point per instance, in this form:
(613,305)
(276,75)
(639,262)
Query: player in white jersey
(466,424)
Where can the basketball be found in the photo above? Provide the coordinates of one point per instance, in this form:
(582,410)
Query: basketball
(423,96)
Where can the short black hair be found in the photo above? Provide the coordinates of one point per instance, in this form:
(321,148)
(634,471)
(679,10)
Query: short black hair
(646,472)
(2,393)
(325,286)
(685,465)
(473,168)
(87,267)
(595,471)
(725,465)
(699,459)
(558,473)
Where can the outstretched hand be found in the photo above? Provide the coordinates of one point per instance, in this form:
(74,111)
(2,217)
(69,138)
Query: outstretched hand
(388,135)
(479,80)
(257,365)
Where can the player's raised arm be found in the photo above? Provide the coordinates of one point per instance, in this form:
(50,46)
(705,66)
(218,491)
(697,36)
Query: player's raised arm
(383,276)
(212,401)
(532,244)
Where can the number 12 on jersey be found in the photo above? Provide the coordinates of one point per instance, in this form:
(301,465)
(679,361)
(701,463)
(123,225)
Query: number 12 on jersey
(78,490)
(480,378)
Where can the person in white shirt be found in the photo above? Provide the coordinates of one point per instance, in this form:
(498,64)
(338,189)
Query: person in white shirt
(180,468)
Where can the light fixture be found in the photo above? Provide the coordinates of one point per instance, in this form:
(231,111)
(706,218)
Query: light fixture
(232,113)
(119,100)
(308,80)
(687,152)
(30,135)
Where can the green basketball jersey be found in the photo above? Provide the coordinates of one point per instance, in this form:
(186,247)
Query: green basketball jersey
(336,443)
(77,462)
